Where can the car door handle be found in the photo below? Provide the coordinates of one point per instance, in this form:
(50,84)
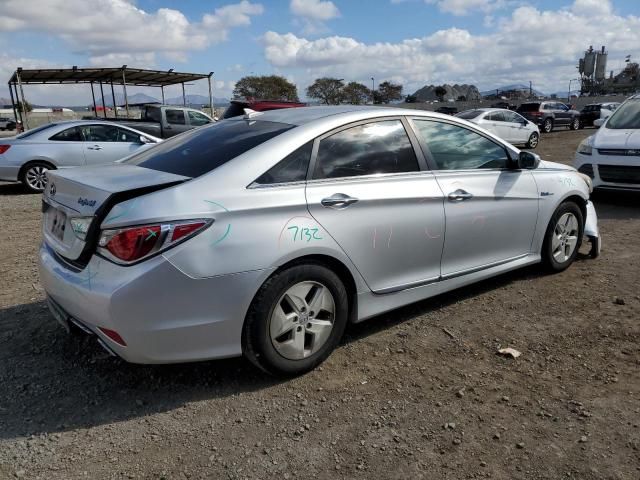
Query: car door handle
(338,201)
(459,196)
(95,147)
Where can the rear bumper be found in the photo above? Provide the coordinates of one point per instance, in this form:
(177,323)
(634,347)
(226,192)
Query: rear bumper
(9,173)
(163,315)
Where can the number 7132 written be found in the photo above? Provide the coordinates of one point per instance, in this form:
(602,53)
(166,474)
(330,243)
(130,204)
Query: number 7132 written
(300,234)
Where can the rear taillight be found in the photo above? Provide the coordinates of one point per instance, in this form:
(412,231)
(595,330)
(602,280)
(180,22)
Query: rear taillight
(535,114)
(4,148)
(132,244)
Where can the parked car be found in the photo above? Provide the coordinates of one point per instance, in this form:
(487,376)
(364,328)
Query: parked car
(505,105)
(236,107)
(447,110)
(594,111)
(548,115)
(164,121)
(7,123)
(611,157)
(266,237)
(28,157)
(505,124)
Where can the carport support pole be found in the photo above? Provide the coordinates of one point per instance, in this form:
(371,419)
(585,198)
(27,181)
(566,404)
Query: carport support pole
(211,97)
(184,97)
(104,106)
(13,104)
(24,105)
(162,91)
(93,95)
(15,87)
(113,97)
(124,86)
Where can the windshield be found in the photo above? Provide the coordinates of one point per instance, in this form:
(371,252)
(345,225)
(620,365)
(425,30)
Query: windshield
(626,116)
(204,149)
(28,133)
(469,114)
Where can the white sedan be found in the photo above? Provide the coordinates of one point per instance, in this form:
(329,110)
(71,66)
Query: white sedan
(507,125)
(611,157)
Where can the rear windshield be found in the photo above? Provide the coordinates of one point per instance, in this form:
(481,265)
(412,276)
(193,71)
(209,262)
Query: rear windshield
(469,114)
(625,116)
(529,107)
(202,150)
(28,133)
(234,110)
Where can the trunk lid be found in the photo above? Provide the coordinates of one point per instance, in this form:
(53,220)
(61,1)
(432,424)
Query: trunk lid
(88,194)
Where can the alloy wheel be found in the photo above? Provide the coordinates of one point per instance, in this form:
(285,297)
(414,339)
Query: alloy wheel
(533,140)
(36,177)
(302,320)
(565,237)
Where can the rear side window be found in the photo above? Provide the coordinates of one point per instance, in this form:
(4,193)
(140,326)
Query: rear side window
(292,168)
(202,150)
(529,107)
(495,117)
(69,135)
(175,117)
(33,131)
(372,148)
(153,114)
(469,114)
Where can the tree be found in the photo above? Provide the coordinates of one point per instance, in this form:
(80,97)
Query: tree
(388,92)
(356,93)
(328,90)
(27,106)
(440,92)
(266,87)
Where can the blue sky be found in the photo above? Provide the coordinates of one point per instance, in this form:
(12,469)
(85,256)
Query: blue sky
(415,42)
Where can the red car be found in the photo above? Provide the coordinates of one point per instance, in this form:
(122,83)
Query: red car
(236,107)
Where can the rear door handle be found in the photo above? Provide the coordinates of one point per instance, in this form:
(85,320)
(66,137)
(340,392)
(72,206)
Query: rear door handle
(95,147)
(338,201)
(459,195)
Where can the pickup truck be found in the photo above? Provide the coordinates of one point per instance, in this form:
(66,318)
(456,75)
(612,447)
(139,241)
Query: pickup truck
(164,121)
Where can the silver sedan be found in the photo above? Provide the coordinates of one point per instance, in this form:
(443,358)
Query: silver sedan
(265,235)
(28,156)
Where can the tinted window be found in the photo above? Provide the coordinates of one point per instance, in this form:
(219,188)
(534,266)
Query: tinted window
(626,116)
(457,148)
(529,107)
(204,149)
(100,133)
(69,135)
(469,114)
(293,168)
(127,136)
(175,117)
(196,119)
(495,117)
(152,114)
(373,148)
(234,110)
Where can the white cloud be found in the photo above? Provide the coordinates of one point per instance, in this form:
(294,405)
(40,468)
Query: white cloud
(466,7)
(526,45)
(113,29)
(311,15)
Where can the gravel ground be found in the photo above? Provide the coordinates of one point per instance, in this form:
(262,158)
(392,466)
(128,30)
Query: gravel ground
(416,393)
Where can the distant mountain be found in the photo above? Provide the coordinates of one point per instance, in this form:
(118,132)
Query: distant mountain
(515,86)
(428,92)
(198,100)
(5,102)
(135,98)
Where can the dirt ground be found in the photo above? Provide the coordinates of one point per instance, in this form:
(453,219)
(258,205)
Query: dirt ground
(400,398)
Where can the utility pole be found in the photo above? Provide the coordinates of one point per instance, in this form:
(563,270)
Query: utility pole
(373,89)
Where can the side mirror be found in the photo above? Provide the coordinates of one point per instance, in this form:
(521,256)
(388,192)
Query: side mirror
(528,161)
(598,122)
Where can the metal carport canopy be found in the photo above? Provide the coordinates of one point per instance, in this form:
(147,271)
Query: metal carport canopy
(119,76)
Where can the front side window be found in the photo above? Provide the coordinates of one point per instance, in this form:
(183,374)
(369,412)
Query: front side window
(201,150)
(369,149)
(196,119)
(100,133)
(456,148)
(175,117)
(127,136)
(69,135)
(512,117)
(292,168)
(626,116)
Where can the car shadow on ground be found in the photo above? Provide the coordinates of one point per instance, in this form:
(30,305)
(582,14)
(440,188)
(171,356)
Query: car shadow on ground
(14,189)
(43,370)
(615,205)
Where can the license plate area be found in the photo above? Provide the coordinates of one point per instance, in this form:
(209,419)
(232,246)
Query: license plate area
(57,223)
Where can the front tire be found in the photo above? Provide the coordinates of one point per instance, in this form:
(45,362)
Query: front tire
(534,139)
(33,176)
(296,320)
(575,124)
(563,237)
(547,125)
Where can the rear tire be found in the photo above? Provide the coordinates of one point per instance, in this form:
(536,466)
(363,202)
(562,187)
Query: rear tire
(33,176)
(563,237)
(290,327)
(534,139)
(575,124)
(547,125)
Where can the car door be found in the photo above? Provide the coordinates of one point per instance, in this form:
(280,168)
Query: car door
(490,209)
(493,121)
(370,190)
(561,112)
(104,143)
(66,148)
(174,122)
(518,127)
